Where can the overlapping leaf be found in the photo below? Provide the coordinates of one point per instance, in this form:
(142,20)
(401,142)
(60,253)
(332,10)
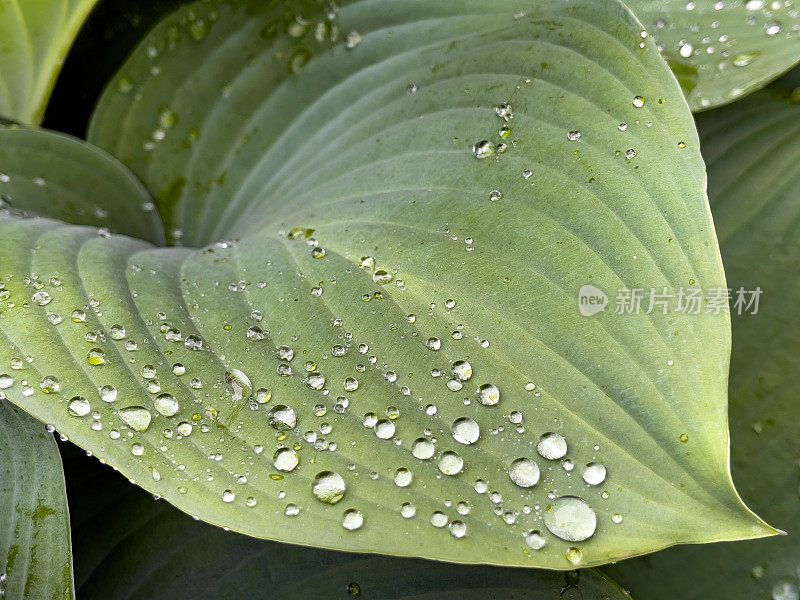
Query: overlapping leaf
(326,161)
(35,536)
(116,530)
(752,151)
(54,175)
(35,36)
(722,49)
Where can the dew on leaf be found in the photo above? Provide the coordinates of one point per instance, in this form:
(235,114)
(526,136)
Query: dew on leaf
(285,459)
(488,394)
(594,473)
(524,472)
(552,446)
(136,417)
(570,518)
(79,406)
(352,519)
(466,431)
(328,487)
(282,417)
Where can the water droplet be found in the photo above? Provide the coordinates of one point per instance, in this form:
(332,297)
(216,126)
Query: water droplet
(433,343)
(79,406)
(488,394)
(466,431)
(462,370)
(524,472)
(570,519)
(574,555)
(228,496)
(49,384)
(384,429)
(423,449)
(285,459)
(450,463)
(403,477)
(535,539)
(166,404)
(484,149)
(504,111)
(408,510)
(594,473)
(136,417)
(328,487)
(41,298)
(315,380)
(352,519)
(239,385)
(552,446)
(382,277)
(6,381)
(574,136)
(117,332)
(282,417)
(638,101)
(439,519)
(458,529)
(96,357)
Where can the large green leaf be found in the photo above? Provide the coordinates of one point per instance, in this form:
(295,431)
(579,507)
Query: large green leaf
(722,49)
(129,547)
(35,36)
(34,537)
(294,158)
(752,149)
(50,174)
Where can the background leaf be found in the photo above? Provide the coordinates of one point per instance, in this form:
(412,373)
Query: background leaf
(53,175)
(720,51)
(35,537)
(117,528)
(35,36)
(752,151)
(256,125)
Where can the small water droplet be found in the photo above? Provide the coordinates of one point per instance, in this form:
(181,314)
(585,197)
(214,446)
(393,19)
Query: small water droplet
(524,472)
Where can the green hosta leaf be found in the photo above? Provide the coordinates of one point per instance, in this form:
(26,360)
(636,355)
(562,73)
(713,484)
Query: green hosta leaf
(35,36)
(721,50)
(54,175)
(360,301)
(34,538)
(752,150)
(115,530)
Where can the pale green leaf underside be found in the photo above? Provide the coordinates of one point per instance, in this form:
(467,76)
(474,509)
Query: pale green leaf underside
(115,529)
(35,550)
(35,36)
(63,178)
(721,50)
(753,151)
(237,148)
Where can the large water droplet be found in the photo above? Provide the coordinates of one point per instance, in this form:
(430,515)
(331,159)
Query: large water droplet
(466,431)
(166,404)
(570,518)
(285,459)
(423,448)
(552,446)
(352,519)
(488,394)
(239,385)
(524,472)
(328,487)
(282,417)
(594,473)
(79,407)
(450,463)
(136,417)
